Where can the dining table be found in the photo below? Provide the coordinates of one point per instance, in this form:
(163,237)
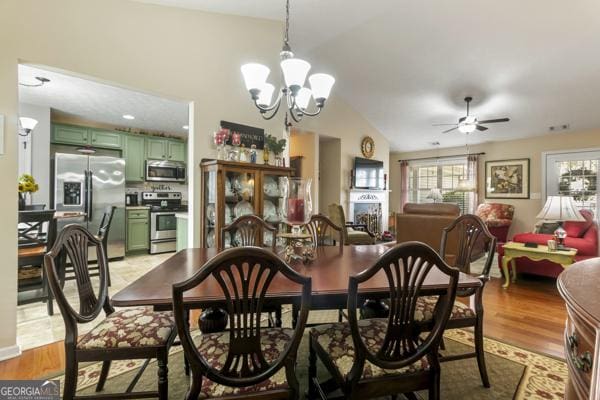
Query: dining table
(329,273)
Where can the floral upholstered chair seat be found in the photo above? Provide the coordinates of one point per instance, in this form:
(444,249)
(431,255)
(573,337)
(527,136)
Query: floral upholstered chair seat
(336,340)
(131,327)
(426,305)
(214,348)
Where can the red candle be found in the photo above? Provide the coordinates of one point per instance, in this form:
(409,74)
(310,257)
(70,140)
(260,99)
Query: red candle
(295,211)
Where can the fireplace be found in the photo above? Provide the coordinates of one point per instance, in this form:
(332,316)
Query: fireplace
(369,207)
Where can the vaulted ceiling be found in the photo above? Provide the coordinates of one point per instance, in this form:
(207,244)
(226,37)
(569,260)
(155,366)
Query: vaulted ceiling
(407,64)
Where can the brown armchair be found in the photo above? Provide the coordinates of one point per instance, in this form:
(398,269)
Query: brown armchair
(351,233)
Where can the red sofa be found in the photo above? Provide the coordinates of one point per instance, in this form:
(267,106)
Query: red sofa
(582,236)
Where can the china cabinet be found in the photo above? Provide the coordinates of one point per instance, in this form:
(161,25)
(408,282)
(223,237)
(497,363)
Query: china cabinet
(232,189)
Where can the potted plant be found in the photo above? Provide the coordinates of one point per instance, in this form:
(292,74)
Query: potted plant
(26,185)
(276,146)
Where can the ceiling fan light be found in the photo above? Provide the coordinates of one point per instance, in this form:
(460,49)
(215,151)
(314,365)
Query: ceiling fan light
(294,73)
(28,124)
(466,127)
(266,95)
(303,97)
(255,76)
(470,119)
(321,85)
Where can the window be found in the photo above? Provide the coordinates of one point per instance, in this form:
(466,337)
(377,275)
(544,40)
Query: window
(443,175)
(574,174)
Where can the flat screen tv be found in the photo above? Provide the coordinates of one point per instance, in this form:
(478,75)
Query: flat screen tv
(368,174)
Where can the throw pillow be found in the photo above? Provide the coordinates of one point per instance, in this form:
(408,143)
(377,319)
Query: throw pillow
(548,228)
(578,229)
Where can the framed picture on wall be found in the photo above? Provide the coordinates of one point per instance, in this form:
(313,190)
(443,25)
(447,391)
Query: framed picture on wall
(507,179)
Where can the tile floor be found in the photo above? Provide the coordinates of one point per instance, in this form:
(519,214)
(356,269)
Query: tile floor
(36,328)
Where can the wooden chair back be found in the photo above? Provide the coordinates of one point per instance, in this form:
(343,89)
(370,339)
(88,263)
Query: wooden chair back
(336,213)
(250,230)
(37,228)
(470,231)
(321,228)
(72,245)
(406,266)
(244,275)
(104,228)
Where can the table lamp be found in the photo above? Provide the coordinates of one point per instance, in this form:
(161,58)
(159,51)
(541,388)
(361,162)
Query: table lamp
(560,209)
(435,194)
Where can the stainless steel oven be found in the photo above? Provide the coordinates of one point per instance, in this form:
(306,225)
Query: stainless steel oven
(163,224)
(165,171)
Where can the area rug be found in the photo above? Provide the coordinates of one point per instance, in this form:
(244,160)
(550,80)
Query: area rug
(514,373)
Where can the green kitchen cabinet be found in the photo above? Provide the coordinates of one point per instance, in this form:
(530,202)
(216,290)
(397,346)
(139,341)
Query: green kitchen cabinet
(106,139)
(138,232)
(134,153)
(182,231)
(156,149)
(176,150)
(68,134)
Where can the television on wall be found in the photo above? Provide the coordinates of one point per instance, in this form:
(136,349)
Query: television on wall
(368,174)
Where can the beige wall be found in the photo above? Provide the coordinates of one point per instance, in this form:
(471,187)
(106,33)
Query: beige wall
(532,148)
(176,53)
(329,178)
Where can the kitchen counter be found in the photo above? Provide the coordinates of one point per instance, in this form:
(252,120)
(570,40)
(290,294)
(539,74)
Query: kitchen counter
(181,215)
(137,207)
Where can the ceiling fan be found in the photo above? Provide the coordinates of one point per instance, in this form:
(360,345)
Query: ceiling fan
(469,123)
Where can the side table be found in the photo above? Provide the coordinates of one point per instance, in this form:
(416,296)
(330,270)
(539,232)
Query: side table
(513,250)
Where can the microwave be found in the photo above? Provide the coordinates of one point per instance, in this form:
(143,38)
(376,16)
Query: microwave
(165,171)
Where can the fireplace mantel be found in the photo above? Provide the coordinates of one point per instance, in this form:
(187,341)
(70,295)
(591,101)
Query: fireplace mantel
(369,196)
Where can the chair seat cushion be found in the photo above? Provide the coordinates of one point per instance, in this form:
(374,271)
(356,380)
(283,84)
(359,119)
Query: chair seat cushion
(214,348)
(426,305)
(336,340)
(359,237)
(130,327)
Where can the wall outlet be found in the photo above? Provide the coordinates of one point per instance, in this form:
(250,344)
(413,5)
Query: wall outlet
(535,196)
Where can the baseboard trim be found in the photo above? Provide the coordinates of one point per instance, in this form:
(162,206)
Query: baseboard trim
(10,352)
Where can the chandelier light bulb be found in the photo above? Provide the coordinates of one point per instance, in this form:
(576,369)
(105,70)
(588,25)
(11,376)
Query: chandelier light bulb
(321,85)
(266,95)
(303,97)
(294,73)
(255,77)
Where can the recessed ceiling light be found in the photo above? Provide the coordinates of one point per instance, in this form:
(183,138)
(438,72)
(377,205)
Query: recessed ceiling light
(186,127)
(128,116)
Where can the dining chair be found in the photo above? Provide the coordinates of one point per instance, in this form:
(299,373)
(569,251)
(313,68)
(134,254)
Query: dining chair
(351,233)
(377,357)
(323,231)
(36,234)
(130,333)
(471,232)
(247,360)
(250,230)
(102,235)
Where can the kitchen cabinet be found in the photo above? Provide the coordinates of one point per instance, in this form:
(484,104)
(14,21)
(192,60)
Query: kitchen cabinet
(134,153)
(69,134)
(138,229)
(232,189)
(106,139)
(176,150)
(182,231)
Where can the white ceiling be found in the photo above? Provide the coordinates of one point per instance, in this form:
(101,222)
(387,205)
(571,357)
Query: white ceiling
(99,102)
(407,64)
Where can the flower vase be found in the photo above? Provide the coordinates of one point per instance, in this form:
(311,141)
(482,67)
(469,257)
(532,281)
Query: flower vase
(21,201)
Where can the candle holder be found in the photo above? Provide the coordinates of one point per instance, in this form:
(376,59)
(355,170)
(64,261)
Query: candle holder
(296,210)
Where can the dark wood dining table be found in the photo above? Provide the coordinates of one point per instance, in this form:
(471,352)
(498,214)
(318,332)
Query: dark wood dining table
(329,271)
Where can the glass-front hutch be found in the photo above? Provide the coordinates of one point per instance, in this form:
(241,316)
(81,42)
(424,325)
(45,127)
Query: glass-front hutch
(232,189)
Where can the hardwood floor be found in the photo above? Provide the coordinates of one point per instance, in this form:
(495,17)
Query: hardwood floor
(530,314)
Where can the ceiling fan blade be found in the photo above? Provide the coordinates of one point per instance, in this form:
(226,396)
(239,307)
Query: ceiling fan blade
(450,130)
(492,121)
(443,124)
(481,128)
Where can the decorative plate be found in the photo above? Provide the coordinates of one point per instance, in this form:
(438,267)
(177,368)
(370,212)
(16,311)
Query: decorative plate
(270,212)
(211,214)
(243,208)
(210,238)
(228,190)
(228,214)
(270,187)
(367,147)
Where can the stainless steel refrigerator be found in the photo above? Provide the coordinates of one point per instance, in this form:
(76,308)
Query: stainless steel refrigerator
(90,183)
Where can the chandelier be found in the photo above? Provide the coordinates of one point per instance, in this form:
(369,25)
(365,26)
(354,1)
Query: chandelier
(293,92)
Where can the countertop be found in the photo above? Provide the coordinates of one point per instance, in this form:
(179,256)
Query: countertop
(181,215)
(137,207)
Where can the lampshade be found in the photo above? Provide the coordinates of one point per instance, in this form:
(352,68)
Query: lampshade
(435,194)
(255,75)
(303,97)
(294,72)
(560,208)
(465,185)
(28,124)
(321,85)
(266,95)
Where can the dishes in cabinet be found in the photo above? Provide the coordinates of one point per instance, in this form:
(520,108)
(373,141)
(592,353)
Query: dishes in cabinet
(227,238)
(228,214)
(270,212)
(211,214)
(243,208)
(271,187)
(228,188)
(210,238)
